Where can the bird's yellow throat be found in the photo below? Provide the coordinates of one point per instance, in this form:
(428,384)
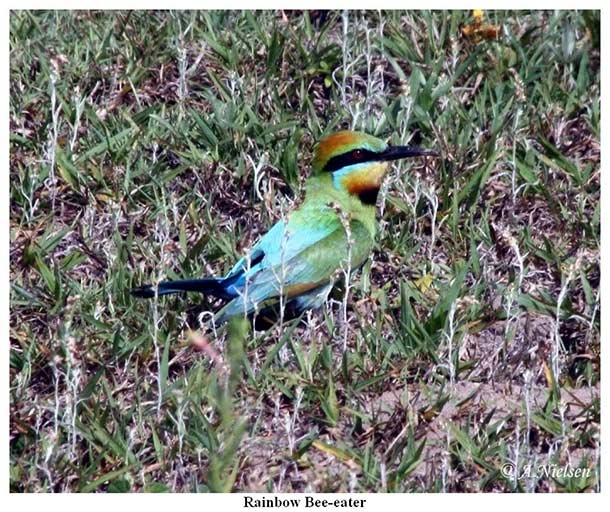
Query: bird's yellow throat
(365,181)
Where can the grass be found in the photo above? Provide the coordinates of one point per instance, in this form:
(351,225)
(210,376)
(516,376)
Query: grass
(150,145)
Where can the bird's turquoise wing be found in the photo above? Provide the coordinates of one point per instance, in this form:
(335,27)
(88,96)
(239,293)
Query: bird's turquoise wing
(285,240)
(316,264)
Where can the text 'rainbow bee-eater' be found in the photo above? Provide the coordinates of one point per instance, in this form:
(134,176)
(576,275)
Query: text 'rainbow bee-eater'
(299,259)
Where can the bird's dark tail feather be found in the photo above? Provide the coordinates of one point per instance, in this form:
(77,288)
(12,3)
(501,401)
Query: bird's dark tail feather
(208,286)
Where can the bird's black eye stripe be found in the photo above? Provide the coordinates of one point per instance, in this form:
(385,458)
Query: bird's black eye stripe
(355,156)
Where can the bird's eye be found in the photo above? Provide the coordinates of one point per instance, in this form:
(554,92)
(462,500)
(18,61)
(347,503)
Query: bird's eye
(358,154)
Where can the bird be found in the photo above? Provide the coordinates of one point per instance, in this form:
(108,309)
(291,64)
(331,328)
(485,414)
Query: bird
(299,260)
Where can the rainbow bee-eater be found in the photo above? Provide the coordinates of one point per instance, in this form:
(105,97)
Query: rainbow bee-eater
(297,262)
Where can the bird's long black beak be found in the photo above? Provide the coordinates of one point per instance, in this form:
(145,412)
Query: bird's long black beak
(398,152)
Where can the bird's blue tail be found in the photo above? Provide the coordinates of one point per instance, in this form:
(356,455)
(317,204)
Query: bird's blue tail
(218,287)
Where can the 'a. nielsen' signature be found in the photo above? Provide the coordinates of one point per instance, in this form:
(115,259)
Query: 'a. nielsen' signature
(509,470)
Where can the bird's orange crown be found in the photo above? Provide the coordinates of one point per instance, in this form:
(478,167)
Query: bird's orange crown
(341,142)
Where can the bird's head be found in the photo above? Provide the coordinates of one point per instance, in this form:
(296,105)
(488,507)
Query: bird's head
(358,161)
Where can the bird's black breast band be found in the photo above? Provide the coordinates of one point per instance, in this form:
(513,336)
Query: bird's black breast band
(369,196)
